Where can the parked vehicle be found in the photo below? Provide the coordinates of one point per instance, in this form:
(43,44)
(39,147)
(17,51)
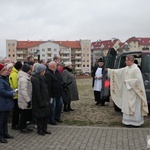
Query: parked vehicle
(115,61)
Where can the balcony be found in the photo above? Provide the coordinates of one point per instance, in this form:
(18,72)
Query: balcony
(65,57)
(78,52)
(77,68)
(49,58)
(66,52)
(49,52)
(19,52)
(20,57)
(78,63)
(78,57)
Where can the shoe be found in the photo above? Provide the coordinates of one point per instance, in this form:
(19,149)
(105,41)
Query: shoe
(70,109)
(24,131)
(2,140)
(7,136)
(66,110)
(53,123)
(97,103)
(47,132)
(41,133)
(102,105)
(59,120)
(30,130)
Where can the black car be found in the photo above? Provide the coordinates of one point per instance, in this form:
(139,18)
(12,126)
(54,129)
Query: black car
(114,61)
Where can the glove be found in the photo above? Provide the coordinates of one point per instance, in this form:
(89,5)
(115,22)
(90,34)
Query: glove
(29,104)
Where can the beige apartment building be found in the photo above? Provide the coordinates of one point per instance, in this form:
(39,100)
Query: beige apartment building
(100,48)
(78,52)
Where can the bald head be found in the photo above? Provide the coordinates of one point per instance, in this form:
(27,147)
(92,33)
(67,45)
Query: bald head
(52,65)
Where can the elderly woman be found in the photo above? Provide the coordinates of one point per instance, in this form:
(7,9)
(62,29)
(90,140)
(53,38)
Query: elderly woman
(69,79)
(6,103)
(24,96)
(40,99)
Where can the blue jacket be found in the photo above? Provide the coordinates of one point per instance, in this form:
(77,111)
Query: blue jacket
(6,95)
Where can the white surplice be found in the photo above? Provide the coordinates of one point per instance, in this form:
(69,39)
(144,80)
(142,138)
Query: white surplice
(128,93)
(98,82)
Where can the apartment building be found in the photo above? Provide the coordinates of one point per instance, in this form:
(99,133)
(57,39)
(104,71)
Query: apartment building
(78,52)
(135,44)
(100,48)
(11,46)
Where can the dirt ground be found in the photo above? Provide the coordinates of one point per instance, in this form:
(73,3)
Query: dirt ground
(87,113)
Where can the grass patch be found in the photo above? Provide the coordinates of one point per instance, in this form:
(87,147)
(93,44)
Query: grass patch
(114,124)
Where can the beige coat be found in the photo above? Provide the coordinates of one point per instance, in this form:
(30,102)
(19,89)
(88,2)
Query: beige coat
(24,89)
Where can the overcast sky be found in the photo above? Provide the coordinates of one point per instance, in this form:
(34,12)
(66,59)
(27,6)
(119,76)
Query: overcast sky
(73,20)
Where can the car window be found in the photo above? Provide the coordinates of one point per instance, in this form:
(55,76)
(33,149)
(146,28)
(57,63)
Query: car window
(146,63)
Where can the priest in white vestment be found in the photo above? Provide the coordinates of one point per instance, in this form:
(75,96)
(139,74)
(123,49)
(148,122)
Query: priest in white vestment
(128,92)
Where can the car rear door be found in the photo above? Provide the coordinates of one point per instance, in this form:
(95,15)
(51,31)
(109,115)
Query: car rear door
(109,63)
(145,69)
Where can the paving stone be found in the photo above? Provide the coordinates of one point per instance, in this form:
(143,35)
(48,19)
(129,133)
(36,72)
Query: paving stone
(80,138)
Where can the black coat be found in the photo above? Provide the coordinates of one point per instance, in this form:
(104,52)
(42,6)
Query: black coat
(54,83)
(40,96)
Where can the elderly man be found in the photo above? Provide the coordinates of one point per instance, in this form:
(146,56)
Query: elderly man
(128,92)
(55,92)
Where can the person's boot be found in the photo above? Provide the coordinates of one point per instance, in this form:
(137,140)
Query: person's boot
(69,107)
(65,108)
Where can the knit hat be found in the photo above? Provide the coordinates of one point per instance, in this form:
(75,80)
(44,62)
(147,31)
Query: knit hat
(67,64)
(10,65)
(26,68)
(39,68)
(18,65)
(2,67)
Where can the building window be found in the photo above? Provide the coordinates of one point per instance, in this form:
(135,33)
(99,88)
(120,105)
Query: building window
(87,54)
(87,65)
(8,44)
(43,50)
(83,65)
(9,50)
(13,55)
(49,49)
(43,55)
(87,60)
(9,55)
(55,50)
(13,44)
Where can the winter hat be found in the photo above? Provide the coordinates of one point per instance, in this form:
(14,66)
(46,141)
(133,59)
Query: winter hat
(10,65)
(67,64)
(2,67)
(18,65)
(39,68)
(100,60)
(26,68)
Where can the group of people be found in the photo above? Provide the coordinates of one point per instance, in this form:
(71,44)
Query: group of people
(36,92)
(127,91)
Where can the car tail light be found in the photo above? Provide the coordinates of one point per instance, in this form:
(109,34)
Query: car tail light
(107,83)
